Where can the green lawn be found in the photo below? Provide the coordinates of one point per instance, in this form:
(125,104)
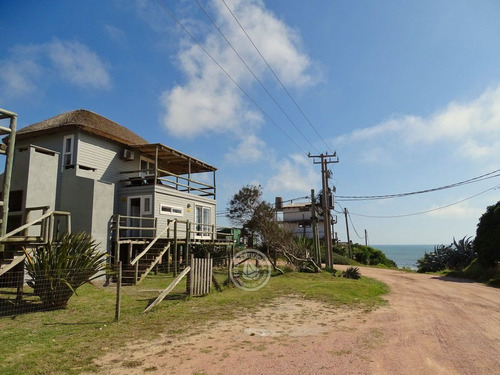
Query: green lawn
(66,341)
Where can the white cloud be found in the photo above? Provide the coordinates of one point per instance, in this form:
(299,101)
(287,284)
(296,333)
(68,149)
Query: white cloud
(294,174)
(250,149)
(461,210)
(209,101)
(19,78)
(78,64)
(471,129)
(116,34)
(21,73)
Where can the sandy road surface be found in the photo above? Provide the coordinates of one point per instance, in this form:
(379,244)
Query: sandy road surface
(430,326)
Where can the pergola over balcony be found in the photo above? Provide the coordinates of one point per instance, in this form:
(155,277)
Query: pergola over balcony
(174,169)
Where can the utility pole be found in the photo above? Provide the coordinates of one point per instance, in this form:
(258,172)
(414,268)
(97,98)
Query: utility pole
(366,238)
(348,237)
(314,224)
(326,159)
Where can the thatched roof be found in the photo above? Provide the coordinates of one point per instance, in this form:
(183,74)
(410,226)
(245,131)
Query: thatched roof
(85,120)
(172,160)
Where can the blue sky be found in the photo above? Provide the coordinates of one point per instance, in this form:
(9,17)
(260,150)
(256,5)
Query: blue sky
(407,93)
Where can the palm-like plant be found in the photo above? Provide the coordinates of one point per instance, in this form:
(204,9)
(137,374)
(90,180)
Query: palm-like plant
(58,268)
(352,273)
(456,256)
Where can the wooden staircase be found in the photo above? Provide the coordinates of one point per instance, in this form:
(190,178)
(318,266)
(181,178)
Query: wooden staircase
(11,257)
(135,273)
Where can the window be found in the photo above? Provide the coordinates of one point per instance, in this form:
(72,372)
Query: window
(171,210)
(147,167)
(139,205)
(68,151)
(203,222)
(147,205)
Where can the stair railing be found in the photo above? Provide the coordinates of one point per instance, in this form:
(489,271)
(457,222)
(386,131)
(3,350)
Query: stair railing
(143,252)
(47,230)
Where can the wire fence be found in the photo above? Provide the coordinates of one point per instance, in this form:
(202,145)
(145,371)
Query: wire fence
(105,298)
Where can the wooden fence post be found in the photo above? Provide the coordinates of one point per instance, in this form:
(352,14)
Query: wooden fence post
(176,250)
(118,291)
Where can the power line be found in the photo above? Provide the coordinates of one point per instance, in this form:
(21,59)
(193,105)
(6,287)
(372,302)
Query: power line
(347,198)
(353,227)
(427,211)
(227,74)
(275,75)
(254,75)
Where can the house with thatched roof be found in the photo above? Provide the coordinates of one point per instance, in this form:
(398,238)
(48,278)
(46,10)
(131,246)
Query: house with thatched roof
(123,190)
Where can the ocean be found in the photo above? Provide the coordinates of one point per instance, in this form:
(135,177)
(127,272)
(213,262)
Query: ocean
(405,255)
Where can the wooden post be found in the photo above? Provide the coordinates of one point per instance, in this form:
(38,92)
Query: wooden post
(175,249)
(188,241)
(190,278)
(118,291)
(117,239)
(9,162)
(136,273)
(229,263)
(19,271)
(168,290)
(348,237)
(168,260)
(314,223)
(210,273)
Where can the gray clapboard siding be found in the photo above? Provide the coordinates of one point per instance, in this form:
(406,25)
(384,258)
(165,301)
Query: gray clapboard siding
(172,197)
(104,156)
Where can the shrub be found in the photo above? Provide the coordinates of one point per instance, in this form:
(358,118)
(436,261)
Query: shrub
(352,273)
(487,242)
(60,267)
(370,256)
(455,256)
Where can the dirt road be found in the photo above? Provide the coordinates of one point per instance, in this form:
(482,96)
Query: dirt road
(430,326)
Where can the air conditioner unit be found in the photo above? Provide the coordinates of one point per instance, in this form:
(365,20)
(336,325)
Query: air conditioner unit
(128,155)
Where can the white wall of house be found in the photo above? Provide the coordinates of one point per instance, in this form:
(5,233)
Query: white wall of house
(35,175)
(91,204)
(293,217)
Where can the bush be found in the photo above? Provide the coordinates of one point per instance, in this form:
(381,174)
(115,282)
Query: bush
(370,256)
(60,267)
(455,256)
(487,242)
(352,273)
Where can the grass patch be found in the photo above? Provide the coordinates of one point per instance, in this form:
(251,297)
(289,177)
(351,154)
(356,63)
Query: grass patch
(475,271)
(66,341)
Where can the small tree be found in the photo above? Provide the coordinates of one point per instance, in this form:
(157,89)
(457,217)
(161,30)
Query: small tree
(487,241)
(258,218)
(60,267)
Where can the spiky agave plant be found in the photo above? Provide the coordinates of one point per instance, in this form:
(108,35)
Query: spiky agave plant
(60,267)
(351,273)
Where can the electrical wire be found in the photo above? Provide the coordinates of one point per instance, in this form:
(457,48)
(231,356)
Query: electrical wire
(353,227)
(254,75)
(171,14)
(486,176)
(427,211)
(275,75)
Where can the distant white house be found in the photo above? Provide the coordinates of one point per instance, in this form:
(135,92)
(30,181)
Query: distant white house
(296,218)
